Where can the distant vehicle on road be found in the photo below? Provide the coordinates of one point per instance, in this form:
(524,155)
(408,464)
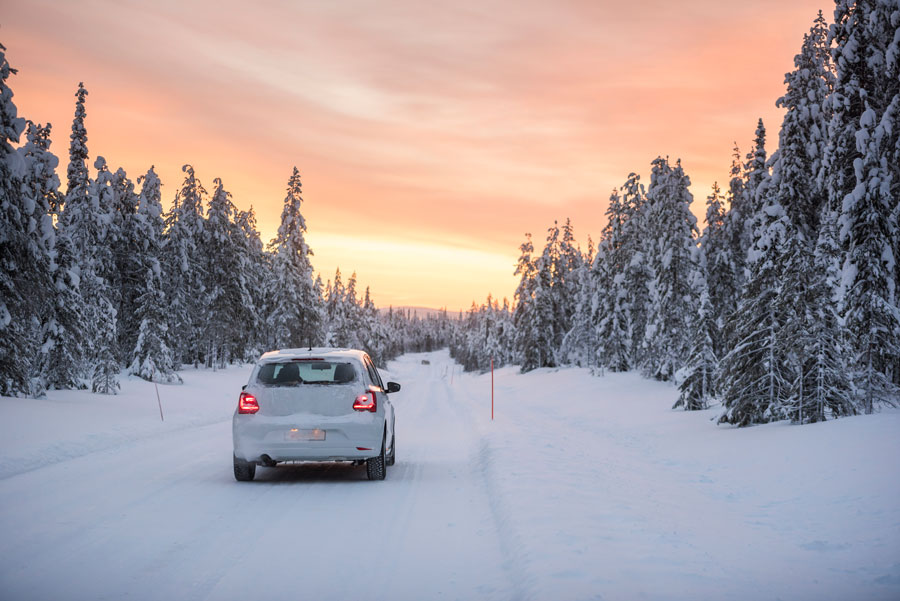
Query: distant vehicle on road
(317,404)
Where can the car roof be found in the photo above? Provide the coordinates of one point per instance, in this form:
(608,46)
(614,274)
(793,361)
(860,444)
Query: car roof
(310,353)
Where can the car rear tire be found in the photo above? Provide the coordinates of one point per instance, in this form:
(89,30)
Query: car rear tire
(392,458)
(244,471)
(375,467)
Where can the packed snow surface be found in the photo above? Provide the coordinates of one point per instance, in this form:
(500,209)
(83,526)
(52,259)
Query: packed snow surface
(582,487)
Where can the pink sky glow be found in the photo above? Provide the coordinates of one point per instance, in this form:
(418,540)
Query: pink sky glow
(430,136)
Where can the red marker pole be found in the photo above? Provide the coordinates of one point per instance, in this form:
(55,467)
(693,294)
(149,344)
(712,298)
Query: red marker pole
(492,389)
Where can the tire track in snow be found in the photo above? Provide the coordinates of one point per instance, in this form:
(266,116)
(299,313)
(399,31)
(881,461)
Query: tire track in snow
(511,542)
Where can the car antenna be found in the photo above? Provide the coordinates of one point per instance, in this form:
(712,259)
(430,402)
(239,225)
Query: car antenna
(309,341)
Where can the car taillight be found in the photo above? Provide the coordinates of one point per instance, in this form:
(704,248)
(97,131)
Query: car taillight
(247,403)
(365,402)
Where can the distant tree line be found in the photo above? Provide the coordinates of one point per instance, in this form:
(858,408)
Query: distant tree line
(786,305)
(98,278)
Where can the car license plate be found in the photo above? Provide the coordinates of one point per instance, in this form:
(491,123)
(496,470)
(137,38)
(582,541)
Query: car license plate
(298,434)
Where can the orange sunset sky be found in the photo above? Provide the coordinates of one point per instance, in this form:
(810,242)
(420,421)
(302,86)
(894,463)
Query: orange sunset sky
(430,135)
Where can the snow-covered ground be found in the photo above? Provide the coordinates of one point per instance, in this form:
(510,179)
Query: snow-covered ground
(581,488)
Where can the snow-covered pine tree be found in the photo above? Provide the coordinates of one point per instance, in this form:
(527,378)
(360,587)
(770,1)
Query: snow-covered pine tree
(862,171)
(152,357)
(58,307)
(346,331)
(489,343)
(24,258)
(77,176)
(579,346)
(334,310)
(802,135)
(84,222)
(183,265)
(811,339)
(374,335)
(567,278)
(252,335)
(753,380)
(228,290)
(523,317)
(757,173)
(125,246)
(608,306)
(734,225)
(670,247)
(545,329)
(98,268)
(718,268)
(637,272)
(66,328)
(296,317)
(829,384)
(696,379)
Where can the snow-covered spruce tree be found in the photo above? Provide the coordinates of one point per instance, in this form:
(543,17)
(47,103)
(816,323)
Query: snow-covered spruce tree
(637,271)
(567,279)
(579,346)
(608,306)
(24,256)
(252,334)
(802,135)
(125,246)
(575,345)
(58,363)
(827,372)
(77,176)
(545,328)
(152,357)
(57,304)
(490,342)
(734,225)
(696,379)
(670,247)
(373,333)
(753,380)
(862,171)
(296,317)
(346,329)
(183,265)
(97,270)
(718,269)
(334,312)
(527,354)
(84,222)
(810,340)
(757,174)
(105,371)
(66,328)
(226,284)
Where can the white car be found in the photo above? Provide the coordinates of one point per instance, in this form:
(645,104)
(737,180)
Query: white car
(317,404)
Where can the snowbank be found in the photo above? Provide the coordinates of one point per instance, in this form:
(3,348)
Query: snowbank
(607,492)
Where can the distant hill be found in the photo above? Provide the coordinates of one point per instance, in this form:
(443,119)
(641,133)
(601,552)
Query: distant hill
(422,312)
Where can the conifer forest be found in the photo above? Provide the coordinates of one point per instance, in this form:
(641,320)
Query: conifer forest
(782,305)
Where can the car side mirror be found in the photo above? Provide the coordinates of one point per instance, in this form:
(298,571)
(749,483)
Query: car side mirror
(244,387)
(393,387)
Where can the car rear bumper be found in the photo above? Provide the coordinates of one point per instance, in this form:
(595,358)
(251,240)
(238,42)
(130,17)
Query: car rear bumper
(346,438)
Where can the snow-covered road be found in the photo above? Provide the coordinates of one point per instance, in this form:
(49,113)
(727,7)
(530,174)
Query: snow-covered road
(582,488)
(163,518)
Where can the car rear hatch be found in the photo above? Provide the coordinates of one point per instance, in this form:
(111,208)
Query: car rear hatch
(312,387)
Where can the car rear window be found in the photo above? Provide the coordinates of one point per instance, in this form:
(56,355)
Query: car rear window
(292,373)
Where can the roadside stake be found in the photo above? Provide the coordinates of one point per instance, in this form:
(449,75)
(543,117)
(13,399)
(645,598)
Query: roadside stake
(492,389)
(159,402)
